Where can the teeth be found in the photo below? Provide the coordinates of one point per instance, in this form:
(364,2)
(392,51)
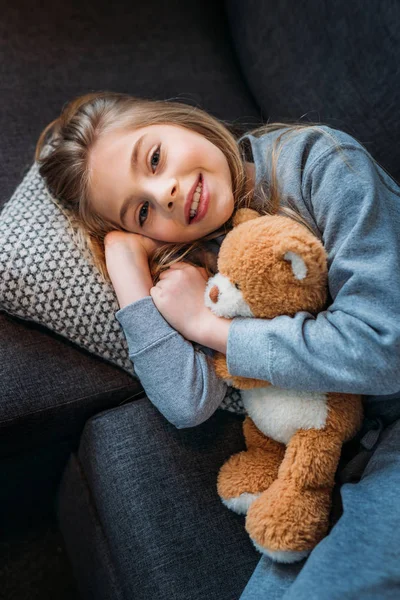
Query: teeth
(196,201)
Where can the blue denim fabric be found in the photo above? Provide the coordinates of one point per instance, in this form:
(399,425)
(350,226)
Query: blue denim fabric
(360,558)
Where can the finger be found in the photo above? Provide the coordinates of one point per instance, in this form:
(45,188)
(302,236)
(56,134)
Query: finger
(166,278)
(156,288)
(163,275)
(203,272)
(180,265)
(167,272)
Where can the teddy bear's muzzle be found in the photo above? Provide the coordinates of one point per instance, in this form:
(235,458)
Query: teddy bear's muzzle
(225,299)
(214,293)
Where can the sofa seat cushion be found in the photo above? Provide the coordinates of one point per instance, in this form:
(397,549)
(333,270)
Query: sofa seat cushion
(49,387)
(140,514)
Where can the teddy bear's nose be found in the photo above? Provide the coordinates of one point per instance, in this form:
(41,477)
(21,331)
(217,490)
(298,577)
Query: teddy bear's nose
(214,292)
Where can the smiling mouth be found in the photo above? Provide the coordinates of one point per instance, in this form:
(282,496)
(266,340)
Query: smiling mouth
(196,200)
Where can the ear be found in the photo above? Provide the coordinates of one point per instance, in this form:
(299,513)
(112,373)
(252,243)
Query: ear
(299,267)
(244,214)
(306,257)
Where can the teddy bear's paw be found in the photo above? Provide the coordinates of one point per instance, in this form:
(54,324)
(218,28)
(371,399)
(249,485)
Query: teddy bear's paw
(286,523)
(282,556)
(244,476)
(240,504)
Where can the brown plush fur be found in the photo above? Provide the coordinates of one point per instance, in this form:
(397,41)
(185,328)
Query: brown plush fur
(293,482)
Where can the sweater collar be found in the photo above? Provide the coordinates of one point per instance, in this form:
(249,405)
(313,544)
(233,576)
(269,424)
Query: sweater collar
(257,146)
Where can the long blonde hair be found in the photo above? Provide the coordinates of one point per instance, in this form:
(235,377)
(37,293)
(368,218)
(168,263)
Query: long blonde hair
(62,155)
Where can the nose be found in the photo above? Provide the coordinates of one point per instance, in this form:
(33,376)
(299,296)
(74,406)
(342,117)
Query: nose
(214,293)
(168,195)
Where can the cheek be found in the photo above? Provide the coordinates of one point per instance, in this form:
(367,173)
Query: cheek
(166,231)
(188,154)
(226,206)
(230,204)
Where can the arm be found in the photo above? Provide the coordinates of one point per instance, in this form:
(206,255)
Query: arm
(354,345)
(180,381)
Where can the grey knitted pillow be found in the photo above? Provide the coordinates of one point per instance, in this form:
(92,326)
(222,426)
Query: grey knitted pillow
(47,275)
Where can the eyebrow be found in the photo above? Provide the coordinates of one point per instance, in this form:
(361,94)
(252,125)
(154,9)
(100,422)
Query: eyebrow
(134,163)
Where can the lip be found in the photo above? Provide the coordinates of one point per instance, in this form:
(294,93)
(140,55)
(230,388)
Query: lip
(190,199)
(203,203)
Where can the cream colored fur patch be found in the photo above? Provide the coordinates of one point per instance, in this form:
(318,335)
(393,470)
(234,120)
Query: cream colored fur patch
(283,556)
(240,504)
(299,267)
(280,413)
(230,300)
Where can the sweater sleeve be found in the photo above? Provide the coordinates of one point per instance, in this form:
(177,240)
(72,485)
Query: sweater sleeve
(178,379)
(354,345)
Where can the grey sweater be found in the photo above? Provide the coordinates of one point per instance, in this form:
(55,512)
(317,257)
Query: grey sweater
(353,206)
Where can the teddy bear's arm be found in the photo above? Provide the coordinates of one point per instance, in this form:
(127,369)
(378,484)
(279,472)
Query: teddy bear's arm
(241,383)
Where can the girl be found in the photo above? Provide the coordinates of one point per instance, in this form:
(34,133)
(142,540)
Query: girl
(155,185)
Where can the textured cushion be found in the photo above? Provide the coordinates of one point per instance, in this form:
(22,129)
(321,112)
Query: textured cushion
(47,275)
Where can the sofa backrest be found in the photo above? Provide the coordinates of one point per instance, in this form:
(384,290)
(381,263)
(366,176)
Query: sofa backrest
(321,61)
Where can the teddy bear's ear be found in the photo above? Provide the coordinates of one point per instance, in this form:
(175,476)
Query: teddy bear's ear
(299,266)
(307,258)
(244,214)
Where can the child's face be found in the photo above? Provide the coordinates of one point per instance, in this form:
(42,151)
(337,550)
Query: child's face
(169,162)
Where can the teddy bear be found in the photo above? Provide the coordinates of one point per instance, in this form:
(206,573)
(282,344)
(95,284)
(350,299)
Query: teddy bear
(271,265)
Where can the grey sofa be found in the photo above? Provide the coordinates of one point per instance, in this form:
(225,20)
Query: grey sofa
(246,63)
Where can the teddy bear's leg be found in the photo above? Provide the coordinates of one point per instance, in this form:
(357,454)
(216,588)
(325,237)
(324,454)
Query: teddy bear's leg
(292,516)
(245,475)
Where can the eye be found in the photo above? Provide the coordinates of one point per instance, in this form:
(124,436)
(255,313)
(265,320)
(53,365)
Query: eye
(143,213)
(237,286)
(155,153)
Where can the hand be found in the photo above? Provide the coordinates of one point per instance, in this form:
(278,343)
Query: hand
(127,261)
(130,243)
(179,296)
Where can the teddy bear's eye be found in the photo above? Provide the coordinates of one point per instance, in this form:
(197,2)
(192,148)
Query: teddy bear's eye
(237,286)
